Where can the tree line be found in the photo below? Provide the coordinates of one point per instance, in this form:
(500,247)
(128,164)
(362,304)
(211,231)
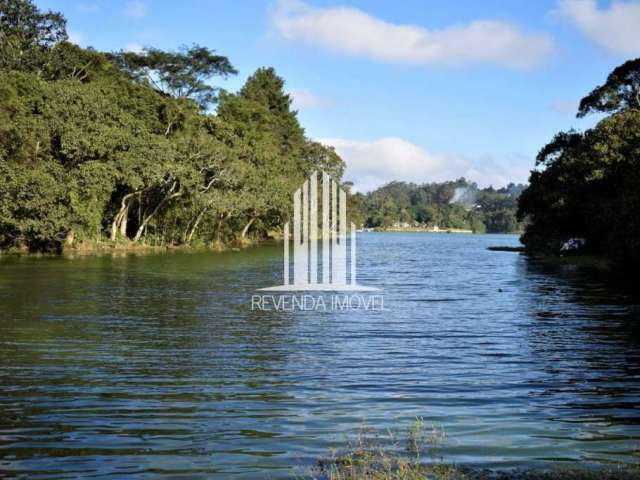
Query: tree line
(139,146)
(585,190)
(458,204)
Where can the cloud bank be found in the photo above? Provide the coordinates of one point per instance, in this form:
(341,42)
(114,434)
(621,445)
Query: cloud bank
(617,28)
(134,48)
(372,164)
(352,31)
(307,100)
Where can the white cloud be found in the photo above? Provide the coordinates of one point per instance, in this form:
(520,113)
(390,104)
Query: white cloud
(616,28)
(307,100)
(354,32)
(133,47)
(88,7)
(76,37)
(136,9)
(372,164)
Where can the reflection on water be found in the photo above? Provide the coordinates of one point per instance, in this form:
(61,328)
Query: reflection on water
(157,365)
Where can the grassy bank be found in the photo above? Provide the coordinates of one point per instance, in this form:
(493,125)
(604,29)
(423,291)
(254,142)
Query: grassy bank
(107,247)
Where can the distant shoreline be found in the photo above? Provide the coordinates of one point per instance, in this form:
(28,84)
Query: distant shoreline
(440,230)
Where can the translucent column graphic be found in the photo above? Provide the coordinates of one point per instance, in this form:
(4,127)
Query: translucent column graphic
(305,233)
(313,230)
(339,255)
(339,266)
(286,254)
(353,255)
(326,258)
(300,247)
(305,230)
(334,229)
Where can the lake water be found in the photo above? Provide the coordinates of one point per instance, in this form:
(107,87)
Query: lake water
(157,366)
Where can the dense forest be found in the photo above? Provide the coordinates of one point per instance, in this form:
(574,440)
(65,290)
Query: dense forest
(456,205)
(138,147)
(585,191)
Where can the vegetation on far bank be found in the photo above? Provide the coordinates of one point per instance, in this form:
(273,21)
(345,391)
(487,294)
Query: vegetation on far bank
(585,188)
(453,205)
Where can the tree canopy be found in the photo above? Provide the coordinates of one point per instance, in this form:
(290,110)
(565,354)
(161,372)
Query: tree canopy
(121,146)
(181,74)
(586,183)
(455,204)
(142,147)
(620,92)
(27,34)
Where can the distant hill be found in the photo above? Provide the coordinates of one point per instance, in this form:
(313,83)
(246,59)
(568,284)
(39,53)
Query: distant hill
(457,204)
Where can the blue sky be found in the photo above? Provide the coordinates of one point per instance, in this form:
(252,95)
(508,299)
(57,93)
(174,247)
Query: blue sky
(417,90)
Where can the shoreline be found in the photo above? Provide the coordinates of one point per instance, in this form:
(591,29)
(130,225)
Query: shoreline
(107,247)
(420,230)
(443,230)
(129,248)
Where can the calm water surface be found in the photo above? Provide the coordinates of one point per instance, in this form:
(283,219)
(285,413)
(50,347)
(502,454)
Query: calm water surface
(156,366)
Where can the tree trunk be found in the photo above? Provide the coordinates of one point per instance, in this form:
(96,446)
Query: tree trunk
(246,227)
(120,220)
(70,238)
(168,130)
(114,227)
(146,220)
(219,228)
(195,225)
(123,222)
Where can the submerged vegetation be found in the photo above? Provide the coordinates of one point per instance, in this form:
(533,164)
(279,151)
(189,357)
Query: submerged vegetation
(124,146)
(387,456)
(417,455)
(584,194)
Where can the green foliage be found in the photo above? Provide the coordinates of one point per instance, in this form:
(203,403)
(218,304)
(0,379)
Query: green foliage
(33,206)
(620,92)
(120,146)
(458,205)
(96,145)
(499,208)
(28,35)
(587,183)
(181,74)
